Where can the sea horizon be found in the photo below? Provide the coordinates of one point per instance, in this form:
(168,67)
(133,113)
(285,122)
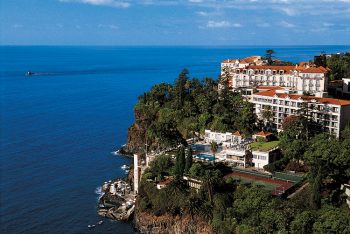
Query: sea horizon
(59,128)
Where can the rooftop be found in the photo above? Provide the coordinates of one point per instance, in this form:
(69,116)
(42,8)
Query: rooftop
(333,101)
(263,133)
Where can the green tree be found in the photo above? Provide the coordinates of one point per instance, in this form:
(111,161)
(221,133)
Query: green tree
(214,148)
(210,179)
(196,170)
(328,161)
(180,88)
(189,160)
(332,220)
(269,55)
(267,116)
(303,222)
(160,165)
(245,117)
(180,163)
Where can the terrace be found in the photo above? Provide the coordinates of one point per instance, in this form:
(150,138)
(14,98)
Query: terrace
(264,146)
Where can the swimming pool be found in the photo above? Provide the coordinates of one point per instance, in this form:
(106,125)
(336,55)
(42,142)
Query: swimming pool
(200,147)
(206,157)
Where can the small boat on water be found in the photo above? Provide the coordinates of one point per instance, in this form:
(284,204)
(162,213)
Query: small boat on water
(100,222)
(125,167)
(115,152)
(29,73)
(91,226)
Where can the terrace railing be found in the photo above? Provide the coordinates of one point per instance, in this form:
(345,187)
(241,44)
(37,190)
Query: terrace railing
(287,177)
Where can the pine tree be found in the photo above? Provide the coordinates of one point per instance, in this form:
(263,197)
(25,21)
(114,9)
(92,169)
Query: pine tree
(180,163)
(189,159)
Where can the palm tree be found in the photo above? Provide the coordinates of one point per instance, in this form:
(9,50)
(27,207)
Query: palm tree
(214,148)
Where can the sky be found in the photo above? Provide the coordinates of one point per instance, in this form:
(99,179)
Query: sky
(171,22)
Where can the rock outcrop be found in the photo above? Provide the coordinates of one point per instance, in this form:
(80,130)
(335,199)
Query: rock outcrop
(136,136)
(148,223)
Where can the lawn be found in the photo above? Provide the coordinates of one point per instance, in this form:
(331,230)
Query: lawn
(264,146)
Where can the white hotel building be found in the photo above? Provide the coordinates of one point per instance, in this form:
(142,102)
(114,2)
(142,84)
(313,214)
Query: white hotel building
(251,72)
(281,89)
(332,114)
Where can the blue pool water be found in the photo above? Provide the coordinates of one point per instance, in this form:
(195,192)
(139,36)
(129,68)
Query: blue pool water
(57,129)
(200,147)
(203,156)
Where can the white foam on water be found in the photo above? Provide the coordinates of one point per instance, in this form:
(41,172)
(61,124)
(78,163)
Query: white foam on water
(99,192)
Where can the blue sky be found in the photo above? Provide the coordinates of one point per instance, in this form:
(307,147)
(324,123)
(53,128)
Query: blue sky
(170,22)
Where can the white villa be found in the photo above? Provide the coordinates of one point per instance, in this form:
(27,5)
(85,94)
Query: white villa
(254,158)
(237,152)
(227,139)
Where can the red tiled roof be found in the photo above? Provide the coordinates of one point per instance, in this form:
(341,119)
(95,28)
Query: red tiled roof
(332,101)
(314,70)
(164,182)
(303,63)
(237,133)
(229,60)
(250,59)
(263,133)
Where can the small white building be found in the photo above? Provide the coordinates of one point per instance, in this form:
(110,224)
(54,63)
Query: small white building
(255,158)
(226,139)
(346,87)
(193,182)
(112,189)
(346,188)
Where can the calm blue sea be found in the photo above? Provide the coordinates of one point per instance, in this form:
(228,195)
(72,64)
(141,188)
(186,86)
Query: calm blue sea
(58,128)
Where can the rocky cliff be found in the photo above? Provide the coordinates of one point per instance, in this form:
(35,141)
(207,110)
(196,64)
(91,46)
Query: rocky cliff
(149,223)
(136,136)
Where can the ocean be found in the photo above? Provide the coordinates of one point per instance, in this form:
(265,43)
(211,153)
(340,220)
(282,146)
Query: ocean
(58,128)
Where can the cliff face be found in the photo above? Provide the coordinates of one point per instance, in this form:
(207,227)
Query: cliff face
(148,223)
(136,136)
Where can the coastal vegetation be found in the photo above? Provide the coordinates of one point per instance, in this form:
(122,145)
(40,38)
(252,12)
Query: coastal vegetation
(168,114)
(339,65)
(233,207)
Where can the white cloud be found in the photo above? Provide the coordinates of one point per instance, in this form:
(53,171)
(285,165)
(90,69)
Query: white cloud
(111,3)
(222,24)
(202,13)
(287,24)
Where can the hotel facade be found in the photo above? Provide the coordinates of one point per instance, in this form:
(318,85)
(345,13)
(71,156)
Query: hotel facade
(332,114)
(252,71)
(286,91)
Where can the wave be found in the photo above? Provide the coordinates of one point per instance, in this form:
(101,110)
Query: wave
(99,192)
